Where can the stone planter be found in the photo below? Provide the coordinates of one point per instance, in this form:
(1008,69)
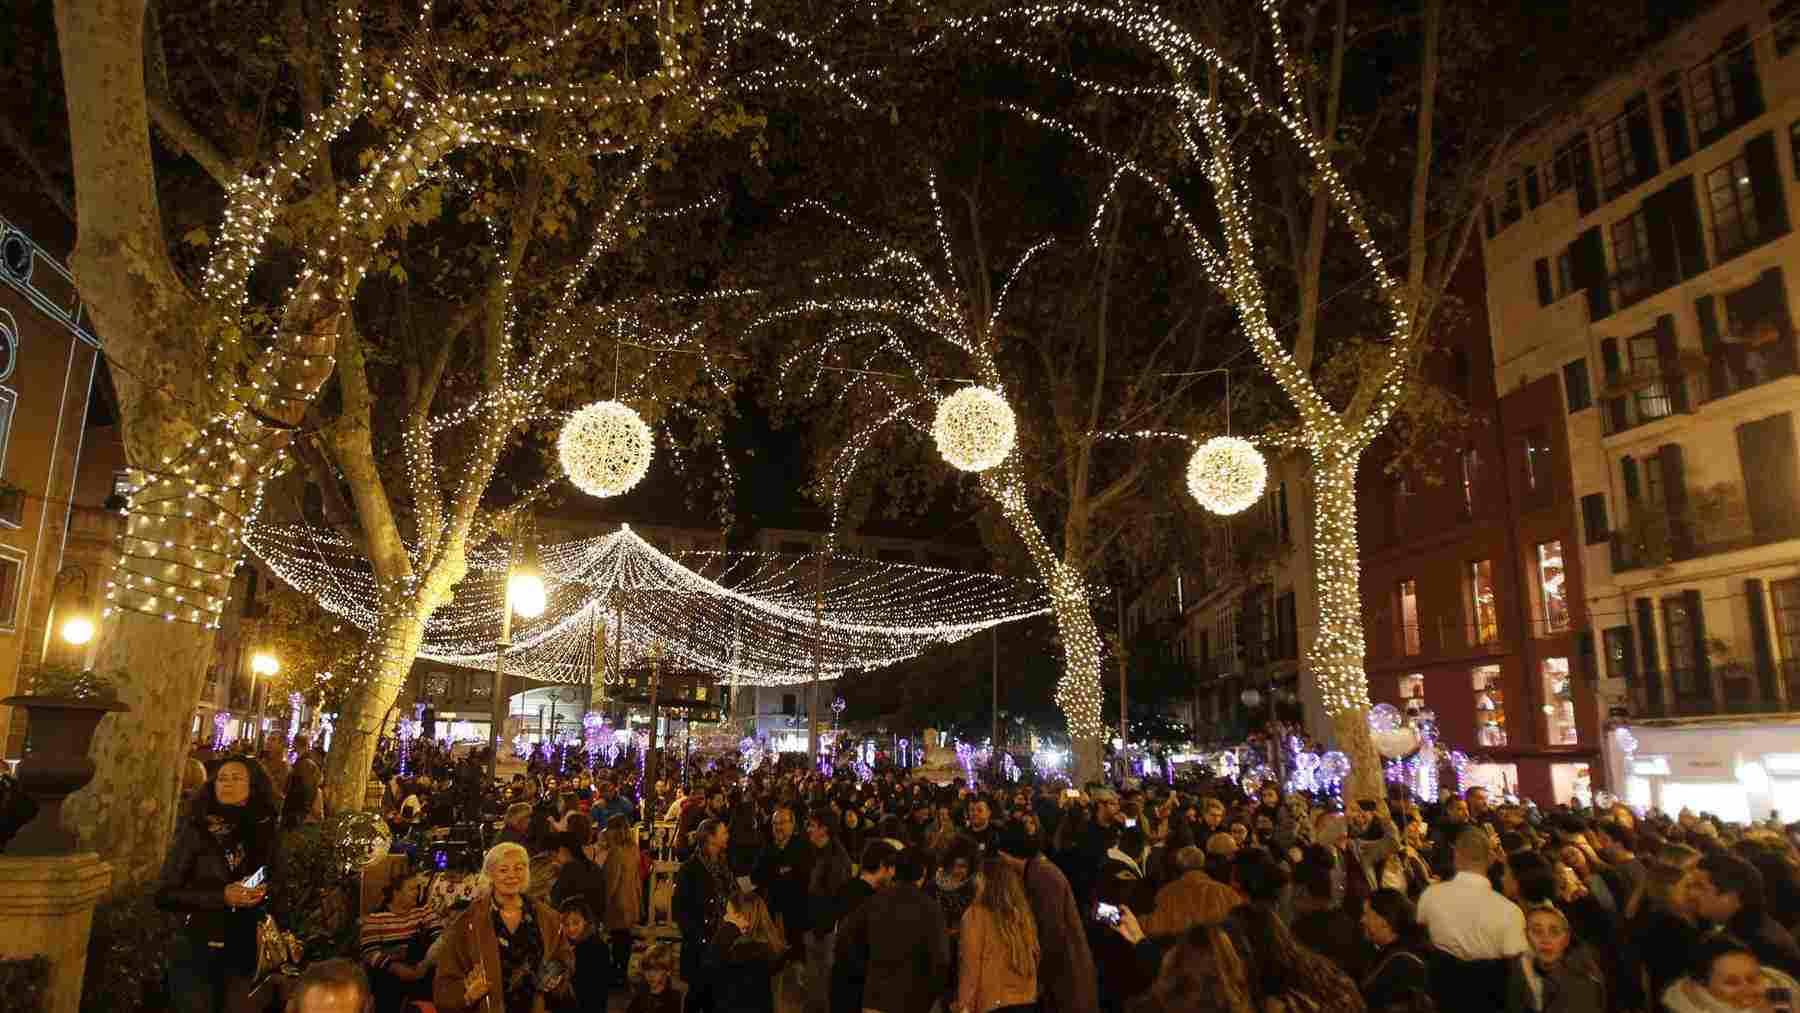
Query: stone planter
(56,765)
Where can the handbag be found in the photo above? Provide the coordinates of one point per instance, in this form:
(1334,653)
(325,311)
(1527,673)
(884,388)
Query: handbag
(277,951)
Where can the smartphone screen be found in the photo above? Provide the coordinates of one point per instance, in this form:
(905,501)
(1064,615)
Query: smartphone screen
(1129,822)
(1072,793)
(1106,914)
(256,878)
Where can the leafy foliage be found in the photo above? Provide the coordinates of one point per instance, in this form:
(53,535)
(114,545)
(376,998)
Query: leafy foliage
(75,683)
(127,951)
(24,984)
(313,894)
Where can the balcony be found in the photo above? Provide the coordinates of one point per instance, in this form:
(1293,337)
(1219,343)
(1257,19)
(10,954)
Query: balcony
(1715,520)
(1643,395)
(1735,689)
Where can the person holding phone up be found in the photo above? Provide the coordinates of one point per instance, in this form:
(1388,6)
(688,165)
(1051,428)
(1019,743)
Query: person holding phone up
(215,875)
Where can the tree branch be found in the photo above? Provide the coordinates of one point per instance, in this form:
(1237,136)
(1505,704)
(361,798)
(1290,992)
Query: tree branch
(188,139)
(1306,338)
(53,191)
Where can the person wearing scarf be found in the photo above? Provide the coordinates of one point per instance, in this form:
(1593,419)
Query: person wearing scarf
(505,953)
(702,888)
(229,834)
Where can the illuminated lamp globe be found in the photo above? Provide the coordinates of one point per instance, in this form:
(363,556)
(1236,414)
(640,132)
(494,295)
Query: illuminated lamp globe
(525,593)
(974,428)
(78,630)
(605,448)
(1227,475)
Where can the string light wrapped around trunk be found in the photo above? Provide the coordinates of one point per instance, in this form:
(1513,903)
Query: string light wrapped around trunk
(605,448)
(974,428)
(1227,474)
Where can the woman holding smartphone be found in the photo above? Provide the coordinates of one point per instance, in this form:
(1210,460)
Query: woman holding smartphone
(215,875)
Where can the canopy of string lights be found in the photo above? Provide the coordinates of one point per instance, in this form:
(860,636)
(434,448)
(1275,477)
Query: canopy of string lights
(755,618)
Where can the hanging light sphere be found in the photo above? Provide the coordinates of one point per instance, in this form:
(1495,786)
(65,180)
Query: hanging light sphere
(974,429)
(605,448)
(1227,474)
(1334,766)
(1384,717)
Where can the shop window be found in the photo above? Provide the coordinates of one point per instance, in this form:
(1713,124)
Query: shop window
(1407,593)
(1559,704)
(1490,707)
(1484,613)
(1412,692)
(1552,589)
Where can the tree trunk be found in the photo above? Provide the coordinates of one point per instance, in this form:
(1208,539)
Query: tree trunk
(1335,659)
(382,671)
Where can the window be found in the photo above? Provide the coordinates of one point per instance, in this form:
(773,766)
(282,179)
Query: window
(1490,706)
(1280,505)
(1471,480)
(1510,209)
(1571,164)
(1552,588)
(790,704)
(1631,256)
(1785,594)
(1726,91)
(1400,504)
(1559,704)
(1621,658)
(1537,463)
(1651,393)
(1412,688)
(1407,593)
(1565,274)
(1593,519)
(1674,117)
(1575,386)
(1733,201)
(1484,611)
(12,578)
(1287,627)
(1766,452)
(1679,641)
(1533,195)
(1625,149)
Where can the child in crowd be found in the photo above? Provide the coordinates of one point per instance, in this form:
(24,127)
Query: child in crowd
(655,991)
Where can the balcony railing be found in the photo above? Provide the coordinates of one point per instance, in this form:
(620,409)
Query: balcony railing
(1686,693)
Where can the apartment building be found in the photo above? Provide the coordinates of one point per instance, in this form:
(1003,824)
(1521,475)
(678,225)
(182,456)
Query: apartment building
(1472,607)
(1640,261)
(1239,618)
(59,456)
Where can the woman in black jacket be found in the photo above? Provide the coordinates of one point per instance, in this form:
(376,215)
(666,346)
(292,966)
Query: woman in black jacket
(746,952)
(228,836)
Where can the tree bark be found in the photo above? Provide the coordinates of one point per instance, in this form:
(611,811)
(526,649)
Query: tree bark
(387,660)
(1335,658)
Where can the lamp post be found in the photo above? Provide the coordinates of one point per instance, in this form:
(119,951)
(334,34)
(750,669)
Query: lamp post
(78,627)
(525,595)
(262,665)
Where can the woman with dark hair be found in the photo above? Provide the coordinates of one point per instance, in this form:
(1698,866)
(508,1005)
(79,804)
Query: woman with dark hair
(1725,975)
(1399,973)
(1282,971)
(576,875)
(853,831)
(228,837)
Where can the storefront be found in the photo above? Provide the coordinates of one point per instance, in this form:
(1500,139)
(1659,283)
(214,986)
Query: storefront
(1737,771)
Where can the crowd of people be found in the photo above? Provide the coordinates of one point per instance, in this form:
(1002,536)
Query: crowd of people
(800,891)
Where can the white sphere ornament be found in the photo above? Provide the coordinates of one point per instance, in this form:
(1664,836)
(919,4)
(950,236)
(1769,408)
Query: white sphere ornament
(1384,717)
(1227,474)
(974,428)
(605,448)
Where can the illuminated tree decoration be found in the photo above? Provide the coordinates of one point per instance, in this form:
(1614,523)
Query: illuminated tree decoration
(1227,474)
(974,428)
(605,448)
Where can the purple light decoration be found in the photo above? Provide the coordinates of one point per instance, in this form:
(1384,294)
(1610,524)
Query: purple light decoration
(965,755)
(220,720)
(905,754)
(1009,768)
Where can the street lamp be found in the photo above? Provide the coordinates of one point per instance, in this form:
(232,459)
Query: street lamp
(527,596)
(263,665)
(77,628)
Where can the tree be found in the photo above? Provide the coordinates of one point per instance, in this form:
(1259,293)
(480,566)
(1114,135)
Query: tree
(215,381)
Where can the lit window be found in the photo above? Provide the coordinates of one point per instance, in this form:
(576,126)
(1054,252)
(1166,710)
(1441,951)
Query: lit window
(1559,704)
(1552,587)
(1484,613)
(1490,706)
(1631,255)
(1408,593)
(1733,202)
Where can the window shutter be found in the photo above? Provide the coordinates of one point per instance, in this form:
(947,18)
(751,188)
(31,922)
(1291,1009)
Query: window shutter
(1674,119)
(1668,357)
(1773,299)
(1533,196)
(1697,622)
(1584,650)
(1762,647)
(1593,519)
(1610,364)
(1546,293)
(1771,467)
(1588,259)
(1489,206)
(1628,470)
(1587,194)
(1746,87)
(1646,624)
(1675,499)
(1717,379)
(1682,205)
(1659,226)
(1641,138)
(1766,183)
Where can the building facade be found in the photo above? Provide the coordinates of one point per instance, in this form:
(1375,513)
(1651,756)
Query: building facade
(57,528)
(1640,273)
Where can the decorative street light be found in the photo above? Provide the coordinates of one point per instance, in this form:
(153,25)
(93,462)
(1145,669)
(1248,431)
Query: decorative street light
(264,665)
(76,628)
(526,596)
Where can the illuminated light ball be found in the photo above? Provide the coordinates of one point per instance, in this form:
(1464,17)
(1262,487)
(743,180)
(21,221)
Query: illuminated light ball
(1334,766)
(1227,474)
(1226,765)
(383,840)
(605,448)
(78,631)
(1384,717)
(974,428)
(1395,742)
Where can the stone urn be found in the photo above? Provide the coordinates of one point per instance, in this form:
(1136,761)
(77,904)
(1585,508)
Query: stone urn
(56,765)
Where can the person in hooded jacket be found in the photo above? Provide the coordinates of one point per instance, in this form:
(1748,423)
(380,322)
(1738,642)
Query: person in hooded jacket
(228,835)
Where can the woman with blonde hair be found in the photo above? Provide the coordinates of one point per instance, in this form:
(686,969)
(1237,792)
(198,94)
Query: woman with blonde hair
(623,872)
(998,951)
(746,952)
(505,953)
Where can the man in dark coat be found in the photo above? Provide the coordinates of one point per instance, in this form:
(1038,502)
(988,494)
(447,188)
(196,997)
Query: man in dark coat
(781,874)
(702,888)
(1729,893)
(897,941)
(848,965)
(1066,982)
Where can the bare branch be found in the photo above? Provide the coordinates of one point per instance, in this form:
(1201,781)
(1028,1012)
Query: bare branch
(188,139)
(53,191)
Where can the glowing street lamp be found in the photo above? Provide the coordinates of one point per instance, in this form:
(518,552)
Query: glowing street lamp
(77,630)
(265,664)
(526,594)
